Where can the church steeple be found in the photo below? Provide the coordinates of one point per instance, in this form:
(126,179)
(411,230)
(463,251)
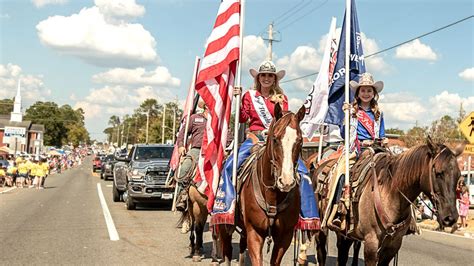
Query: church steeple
(16,115)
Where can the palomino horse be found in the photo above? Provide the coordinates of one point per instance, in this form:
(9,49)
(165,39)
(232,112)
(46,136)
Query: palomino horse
(269,202)
(394,182)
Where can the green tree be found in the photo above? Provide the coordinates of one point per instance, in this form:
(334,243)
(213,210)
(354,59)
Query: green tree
(395,131)
(6,106)
(444,130)
(415,136)
(74,122)
(48,114)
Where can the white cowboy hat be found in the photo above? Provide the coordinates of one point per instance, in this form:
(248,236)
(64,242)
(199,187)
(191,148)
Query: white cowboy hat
(366,79)
(267,67)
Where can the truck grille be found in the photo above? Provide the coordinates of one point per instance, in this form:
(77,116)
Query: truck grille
(156,176)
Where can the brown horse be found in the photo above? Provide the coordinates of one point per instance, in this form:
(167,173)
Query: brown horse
(269,202)
(384,207)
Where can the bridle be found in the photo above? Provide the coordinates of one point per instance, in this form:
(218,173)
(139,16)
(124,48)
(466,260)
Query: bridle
(275,168)
(434,195)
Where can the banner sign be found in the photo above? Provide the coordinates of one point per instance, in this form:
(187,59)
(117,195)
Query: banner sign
(14,132)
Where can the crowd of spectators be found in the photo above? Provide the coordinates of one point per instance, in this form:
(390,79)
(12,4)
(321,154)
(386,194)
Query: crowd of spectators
(26,171)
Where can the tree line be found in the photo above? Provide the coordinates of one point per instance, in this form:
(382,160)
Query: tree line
(133,128)
(62,124)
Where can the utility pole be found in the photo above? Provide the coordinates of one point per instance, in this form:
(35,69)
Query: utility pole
(163,125)
(136,132)
(270,40)
(147,122)
(174,119)
(128,131)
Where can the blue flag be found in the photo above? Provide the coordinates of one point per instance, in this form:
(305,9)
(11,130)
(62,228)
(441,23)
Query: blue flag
(335,114)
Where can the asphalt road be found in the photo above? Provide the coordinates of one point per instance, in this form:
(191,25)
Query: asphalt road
(65,224)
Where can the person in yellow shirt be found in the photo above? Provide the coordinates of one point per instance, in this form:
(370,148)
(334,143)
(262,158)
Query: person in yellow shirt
(33,175)
(3,178)
(44,164)
(22,173)
(29,176)
(11,174)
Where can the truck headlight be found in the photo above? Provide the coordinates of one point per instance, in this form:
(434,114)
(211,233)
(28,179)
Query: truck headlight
(137,175)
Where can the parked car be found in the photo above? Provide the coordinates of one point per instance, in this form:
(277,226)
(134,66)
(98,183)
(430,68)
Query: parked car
(141,176)
(107,169)
(96,164)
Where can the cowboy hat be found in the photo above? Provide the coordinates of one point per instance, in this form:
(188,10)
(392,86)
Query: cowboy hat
(366,79)
(267,67)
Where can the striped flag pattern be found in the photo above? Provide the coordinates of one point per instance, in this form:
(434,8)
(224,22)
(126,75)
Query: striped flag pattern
(215,83)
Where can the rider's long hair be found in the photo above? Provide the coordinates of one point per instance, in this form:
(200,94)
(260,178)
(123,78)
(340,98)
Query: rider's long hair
(373,104)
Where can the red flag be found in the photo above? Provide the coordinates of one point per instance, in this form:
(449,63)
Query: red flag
(189,106)
(215,84)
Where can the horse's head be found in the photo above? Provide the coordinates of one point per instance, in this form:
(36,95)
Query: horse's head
(284,144)
(441,188)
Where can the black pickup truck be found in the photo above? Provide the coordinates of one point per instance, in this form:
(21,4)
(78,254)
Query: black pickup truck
(141,177)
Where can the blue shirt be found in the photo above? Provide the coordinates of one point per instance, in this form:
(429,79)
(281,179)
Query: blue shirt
(362,133)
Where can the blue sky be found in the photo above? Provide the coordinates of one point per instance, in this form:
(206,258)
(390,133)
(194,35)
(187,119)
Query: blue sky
(108,56)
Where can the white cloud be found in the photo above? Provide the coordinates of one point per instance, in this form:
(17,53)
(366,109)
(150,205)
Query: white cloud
(4,16)
(119,100)
(89,36)
(294,104)
(467,74)
(376,63)
(32,86)
(303,61)
(117,10)
(255,51)
(403,110)
(139,76)
(415,50)
(42,3)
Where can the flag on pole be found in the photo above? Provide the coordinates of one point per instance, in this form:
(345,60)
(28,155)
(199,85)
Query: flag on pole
(335,114)
(189,109)
(215,83)
(316,103)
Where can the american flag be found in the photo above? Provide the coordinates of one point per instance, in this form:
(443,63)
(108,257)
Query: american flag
(189,107)
(215,85)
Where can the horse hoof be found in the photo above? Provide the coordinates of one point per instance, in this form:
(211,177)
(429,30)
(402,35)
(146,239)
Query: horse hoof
(196,258)
(215,263)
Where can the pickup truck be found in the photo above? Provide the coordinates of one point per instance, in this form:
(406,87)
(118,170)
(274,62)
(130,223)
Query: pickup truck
(141,176)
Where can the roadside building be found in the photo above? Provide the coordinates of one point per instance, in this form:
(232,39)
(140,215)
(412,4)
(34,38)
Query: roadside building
(19,135)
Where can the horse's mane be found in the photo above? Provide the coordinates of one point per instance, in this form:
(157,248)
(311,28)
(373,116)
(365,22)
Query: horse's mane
(401,171)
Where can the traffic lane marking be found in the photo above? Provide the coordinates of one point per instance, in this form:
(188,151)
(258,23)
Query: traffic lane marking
(113,234)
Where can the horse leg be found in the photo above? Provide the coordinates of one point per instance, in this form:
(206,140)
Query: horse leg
(343,246)
(255,245)
(225,237)
(216,253)
(305,243)
(355,255)
(199,228)
(192,246)
(242,247)
(389,252)
(321,240)
(371,244)
(280,245)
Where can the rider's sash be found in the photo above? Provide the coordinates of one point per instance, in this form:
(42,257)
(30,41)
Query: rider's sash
(261,108)
(366,122)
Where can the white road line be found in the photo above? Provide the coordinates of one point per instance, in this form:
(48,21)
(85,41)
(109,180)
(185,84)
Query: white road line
(444,233)
(108,185)
(5,191)
(113,234)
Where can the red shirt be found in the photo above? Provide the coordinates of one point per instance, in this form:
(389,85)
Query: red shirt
(247,110)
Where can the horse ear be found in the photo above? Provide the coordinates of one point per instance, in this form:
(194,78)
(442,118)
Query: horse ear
(300,114)
(459,149)
(431,145)
(277,111)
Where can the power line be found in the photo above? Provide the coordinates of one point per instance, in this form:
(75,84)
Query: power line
(304,15)
(394,46)
(294,12)
(282,15)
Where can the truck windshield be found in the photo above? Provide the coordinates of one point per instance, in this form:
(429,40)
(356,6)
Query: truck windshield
(147,153)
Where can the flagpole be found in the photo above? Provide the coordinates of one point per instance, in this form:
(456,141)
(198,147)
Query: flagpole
(193,91)
(320,147)
(346,90)
(237,97)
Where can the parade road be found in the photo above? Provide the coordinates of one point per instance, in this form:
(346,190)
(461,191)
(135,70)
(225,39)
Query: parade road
(66,223)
